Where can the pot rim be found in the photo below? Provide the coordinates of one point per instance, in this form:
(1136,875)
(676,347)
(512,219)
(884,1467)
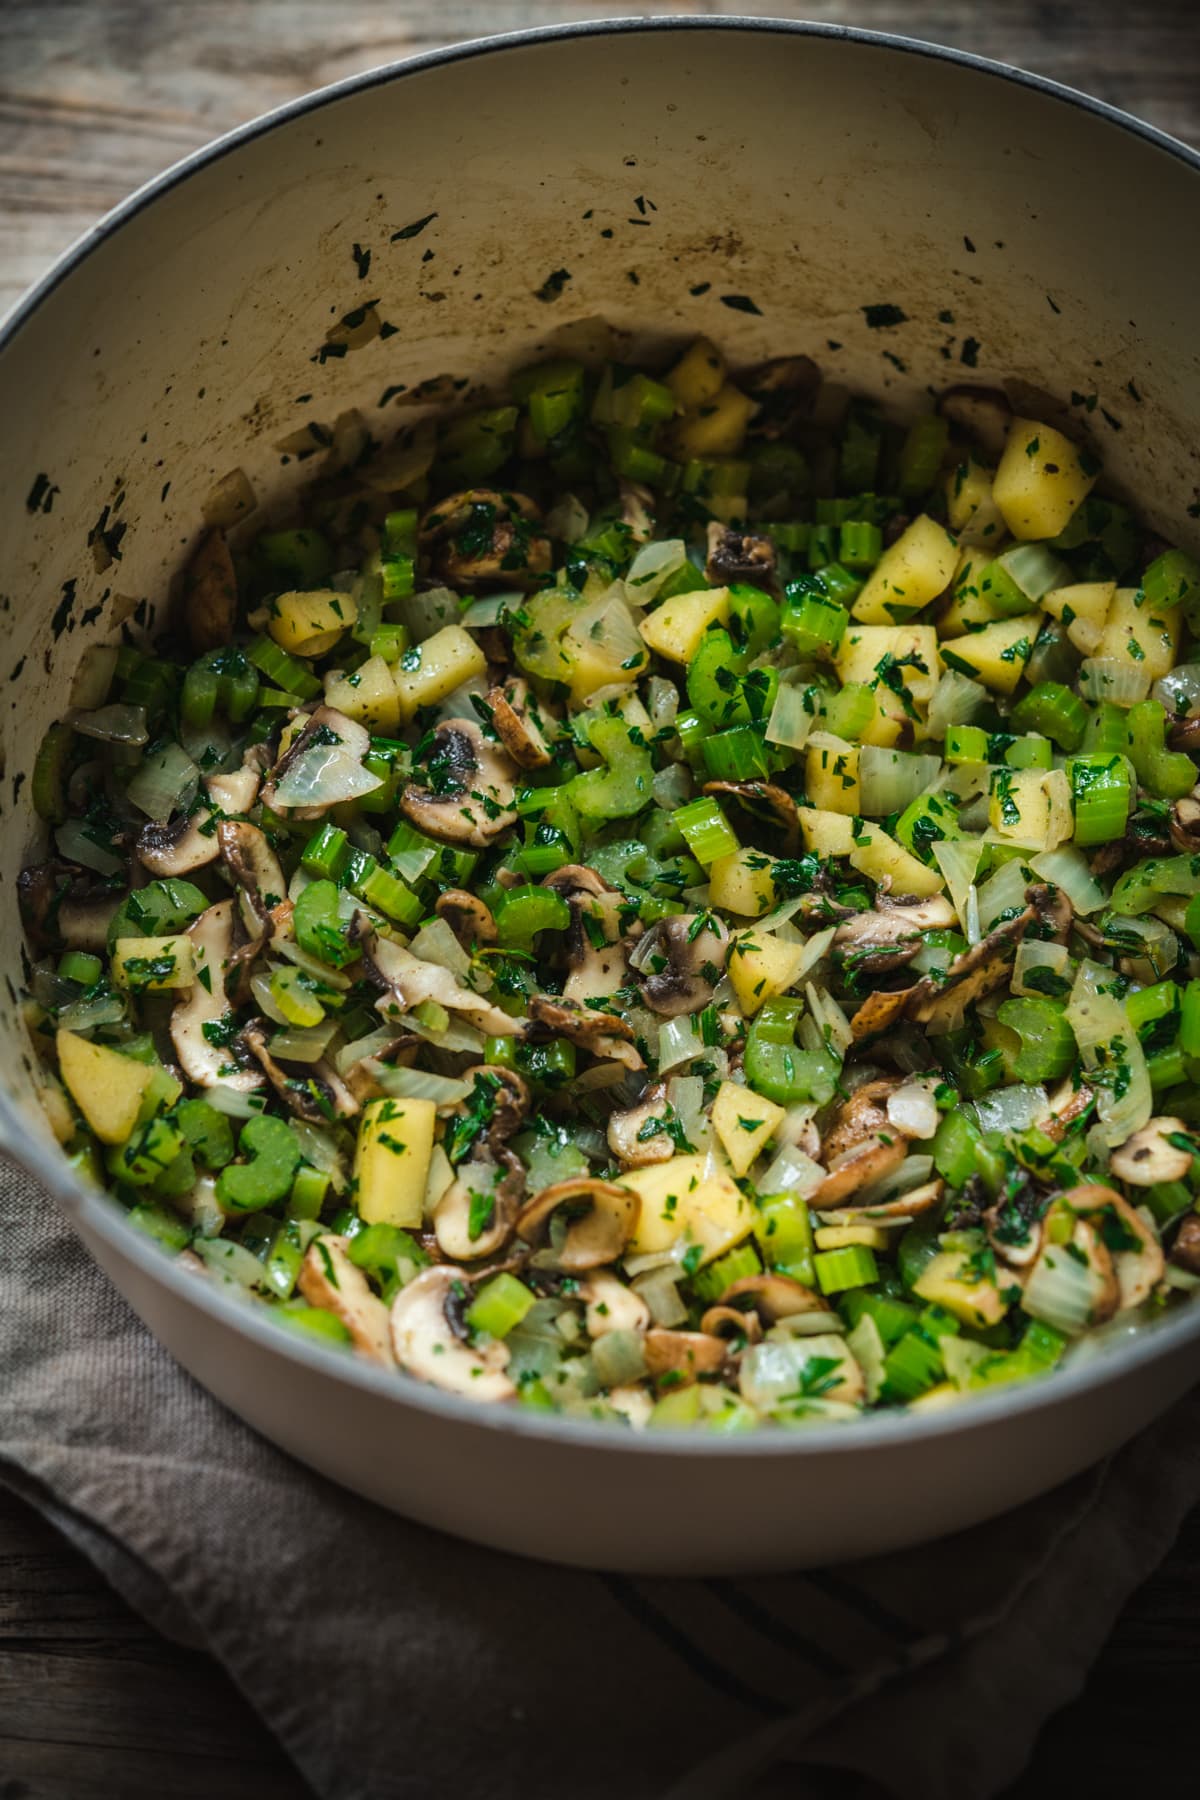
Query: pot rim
(91,1208)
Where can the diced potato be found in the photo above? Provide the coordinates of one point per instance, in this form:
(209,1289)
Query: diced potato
(1145,635)
(151,964)
(948,1281)
(698,376)
(866,647)
(687,1198)
(428,672)
(717,429)
(761,966)
(996,655)
(741,883)
(598,659)
(936,1399)
(887,723)
(831,774)
(1084,607)
(1030,807)
(675,628)
(391,1161)
(969,605)
(826,833)
(744,1122)
(106,1086)
(882,858)
(911,572)
(971,508)
(368,695)
(1041,479)
(311,624)
(842,1237)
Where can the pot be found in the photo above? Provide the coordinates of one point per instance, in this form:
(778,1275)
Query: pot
(907,215)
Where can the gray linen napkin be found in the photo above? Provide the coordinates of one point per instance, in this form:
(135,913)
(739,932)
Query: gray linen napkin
(392,1661)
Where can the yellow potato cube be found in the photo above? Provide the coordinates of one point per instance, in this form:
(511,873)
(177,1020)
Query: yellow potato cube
(911,572)
(1145,635)
(971,509)
(717,429)
(688,1198)
(1030,807)
(1084,606)
(741,883)
(391,1161)
(744,1122)
(310,624)
(698,376)
(675,628)
(368,695)
(883,859)
(428,672)
(1041,479)
(996,655)
(762,966)
(153,964)
(826,833)
(947,1281)
(909,651)
(831,774)
(106,1087)
(969,604)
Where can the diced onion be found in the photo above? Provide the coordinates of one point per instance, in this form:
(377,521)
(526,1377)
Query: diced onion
(325,775)
(956,700)
(115,724)
(913,1110)
(303,1043)
(489,610)
(677,1043)
(1159,951)
(166,783)
(427,612)
(685,1093)
(1114,679)
(671,786)
(1002,895)
(890,779)
(436,943)
(1013,1108)
(235,1104)
(290,950)
(1032,956)
(319,1148)
(913,1172)
(835,1026)
(74,842)
(792,716)
(1179,689)
(1110,1051)
(792,1172)
(362,1048)
(657,1288)
(88,1015)
(662,702)
(567,520)
(420,1084)
(1060,1290)
(654,563)
(93,676)
(231,1262)
(456,1036)
(1067,868)
(958,859)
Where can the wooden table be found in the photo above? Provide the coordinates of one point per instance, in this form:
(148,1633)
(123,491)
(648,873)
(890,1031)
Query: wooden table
(97,96)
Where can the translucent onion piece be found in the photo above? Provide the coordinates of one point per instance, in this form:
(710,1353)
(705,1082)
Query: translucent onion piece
(1067,869)
(489,609)
(303,1043)
(166,783)
(290,950)
(956,700)
(657,1288)
(686,1094)
(913,1110)
(913,1172)
(73,842)
(1060,1291)
(363,1047)
(1013,1108)
(456,1036)
(93,676)
(116,724)
(1179,689)
(1117,680)
(958,859)
(319,1148)
(325,775)
(890,779)
(792,1172)
(88,1015)
(427,612)
(654,563)
(792,716)
(672,786)
(231,1262)
(662,702)
(567,520)
(1110,1051)
(235,1104)
(678,1043)
(436,943)
(1160,950)
(1002,895)
(773,1371)
(1032,957)
(420,1084)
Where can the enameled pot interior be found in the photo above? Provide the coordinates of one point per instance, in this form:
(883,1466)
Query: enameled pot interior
(908,219)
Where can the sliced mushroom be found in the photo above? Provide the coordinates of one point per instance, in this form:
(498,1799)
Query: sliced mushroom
(740,556)
(981,414)
(599,1216)
(785,389)
(1148,1157)
(769,804)
(1014,1227)
(426,1345)
(878,1012)
(408,981)
(498,1177)
(611,1306)
(236,791)
(861,1166)
(970,976)
(638,1136)
(1185,735)
(595,946)
(210,593)
(682,1355)
(862,1116)
(773,1297)
(470,796)
(605,1034)
(201,1060)
(909,1205)
(1185,1251)
(329,1280)
(1068,1103)
(314,1091)
(1136,1253)
(514,716)
(468,917)
(482,536)
(729,1323)
(685,955)
(179,846)
(1185,825)
(255,868)
(1054,911)
(60,907)
(871,943)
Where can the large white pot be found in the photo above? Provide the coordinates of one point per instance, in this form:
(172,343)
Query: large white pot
(638,173)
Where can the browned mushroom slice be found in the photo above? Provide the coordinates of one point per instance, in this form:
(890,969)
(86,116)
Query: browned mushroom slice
(595,947)
(329,1280)
(863,1115)
(605,1034)
(1054,911)
(1149,1156)
(682,1356)
(199,1023)
(610,1305)
(482,536)
(728,1323)
(407,980)
(255,868)
(773,1297)
(314,1092)
(970,976)
(680,960)
(476,1215)
(1068,1103)
(769,804)
(911,1205)
(859,1167)
(427,1344)
(470,791)
(596,1218)
(871,943)
(179,845)
(1185,1251)
(1185,825)
(514,716)
(1136,1253)
(210,594)
(879,1011)
(740,556)
(1014,1227)
(785,389)
(981,414)
(1185,735)
(60,907)
(639,1136)
(468,917)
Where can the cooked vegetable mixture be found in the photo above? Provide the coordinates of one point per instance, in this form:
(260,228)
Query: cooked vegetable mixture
(671,899)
